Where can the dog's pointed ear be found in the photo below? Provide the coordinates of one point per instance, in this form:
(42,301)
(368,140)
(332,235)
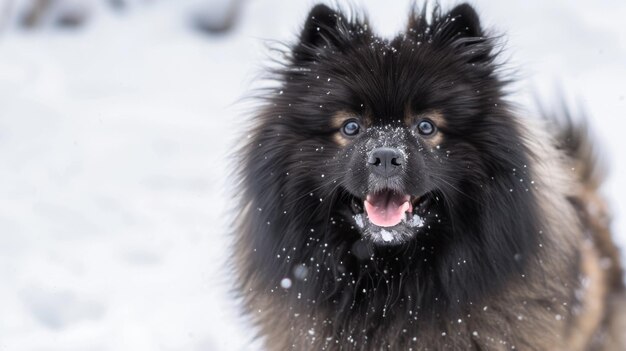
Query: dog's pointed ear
(459,28)
(460,22)
(320,25)
(323,27)
(463,21)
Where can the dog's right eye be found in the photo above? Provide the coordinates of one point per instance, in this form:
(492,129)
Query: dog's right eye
(351,128)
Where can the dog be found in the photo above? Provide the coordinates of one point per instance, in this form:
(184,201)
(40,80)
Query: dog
(391,198)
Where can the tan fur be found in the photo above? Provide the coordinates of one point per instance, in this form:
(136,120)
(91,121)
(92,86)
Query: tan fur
(598,313)
(340,140)
(592,294)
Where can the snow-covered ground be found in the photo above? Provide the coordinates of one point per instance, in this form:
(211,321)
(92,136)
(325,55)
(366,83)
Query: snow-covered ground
(114,195)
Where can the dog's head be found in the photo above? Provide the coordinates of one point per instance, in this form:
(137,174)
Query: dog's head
(396,156)
(398,135)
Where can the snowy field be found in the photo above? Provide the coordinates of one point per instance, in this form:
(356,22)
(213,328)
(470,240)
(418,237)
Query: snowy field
(114,195)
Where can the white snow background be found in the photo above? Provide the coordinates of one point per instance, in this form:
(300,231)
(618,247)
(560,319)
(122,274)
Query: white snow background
(114,195)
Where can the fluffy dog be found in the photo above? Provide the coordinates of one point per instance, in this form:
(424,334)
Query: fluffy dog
(391,198)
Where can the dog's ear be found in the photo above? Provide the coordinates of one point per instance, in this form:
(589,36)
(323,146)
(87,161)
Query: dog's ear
(462,21)
(324,27)
(320,26)
(459,28)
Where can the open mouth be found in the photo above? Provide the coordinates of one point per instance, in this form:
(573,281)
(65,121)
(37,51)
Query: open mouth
(389,208)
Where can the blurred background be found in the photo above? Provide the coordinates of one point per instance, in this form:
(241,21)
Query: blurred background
(116,121)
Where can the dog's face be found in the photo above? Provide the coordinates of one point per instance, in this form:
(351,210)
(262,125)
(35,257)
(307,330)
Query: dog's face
(394,170)
(397,125)
(395,156)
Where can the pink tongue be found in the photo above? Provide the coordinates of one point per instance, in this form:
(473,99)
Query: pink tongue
(387,209)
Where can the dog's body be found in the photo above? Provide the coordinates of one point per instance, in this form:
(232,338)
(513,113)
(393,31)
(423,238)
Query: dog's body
(391,199)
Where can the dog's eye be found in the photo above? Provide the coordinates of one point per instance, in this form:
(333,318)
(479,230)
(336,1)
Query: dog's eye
(351,128)
(426,127)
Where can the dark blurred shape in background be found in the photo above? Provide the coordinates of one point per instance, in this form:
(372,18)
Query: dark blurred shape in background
(57,13)
(216,17)
(117,4)
(212,17)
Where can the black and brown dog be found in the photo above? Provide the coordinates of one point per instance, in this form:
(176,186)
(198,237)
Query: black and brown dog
(392,199)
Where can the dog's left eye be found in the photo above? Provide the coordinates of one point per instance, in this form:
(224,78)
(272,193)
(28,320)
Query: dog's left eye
(351,128)
(426,127)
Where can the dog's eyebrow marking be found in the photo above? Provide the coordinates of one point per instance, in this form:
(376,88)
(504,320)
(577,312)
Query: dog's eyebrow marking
(437,117)
(340,117)
(339,139)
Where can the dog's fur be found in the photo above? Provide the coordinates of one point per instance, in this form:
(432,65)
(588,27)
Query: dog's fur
(515,251)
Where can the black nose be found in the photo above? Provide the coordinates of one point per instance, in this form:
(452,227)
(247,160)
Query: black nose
(385,161)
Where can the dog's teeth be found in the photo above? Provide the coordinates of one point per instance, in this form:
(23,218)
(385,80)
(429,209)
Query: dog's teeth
(406,206)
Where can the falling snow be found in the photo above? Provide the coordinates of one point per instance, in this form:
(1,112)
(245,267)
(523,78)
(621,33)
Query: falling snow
(60,232)
(285,283)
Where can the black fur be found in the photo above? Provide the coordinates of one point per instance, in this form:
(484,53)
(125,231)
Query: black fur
(297,182)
